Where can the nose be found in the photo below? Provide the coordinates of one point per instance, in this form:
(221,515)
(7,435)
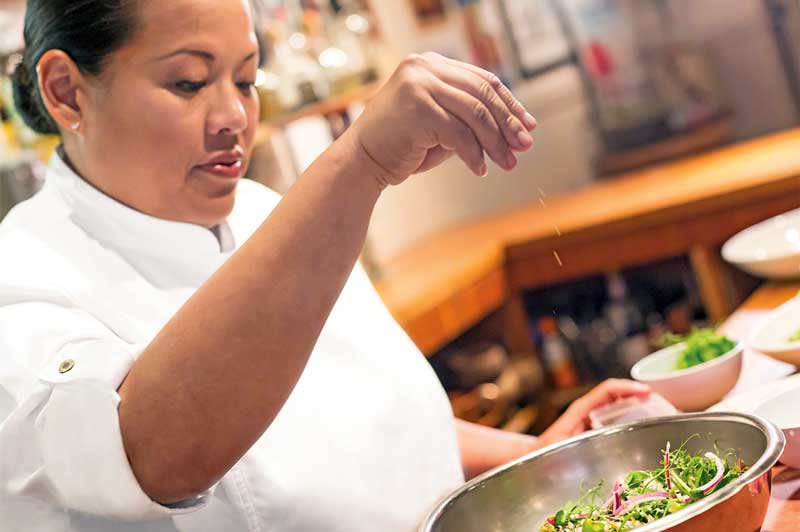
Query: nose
(227,114)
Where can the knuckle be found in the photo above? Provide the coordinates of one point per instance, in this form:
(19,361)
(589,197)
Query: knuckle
(486,91)
(516,106)
(411,61)
(412,82)
(430,56)
(494,82)
(579,404)
(482,115)
(511,123)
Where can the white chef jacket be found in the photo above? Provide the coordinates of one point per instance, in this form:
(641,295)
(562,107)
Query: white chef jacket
(365,442)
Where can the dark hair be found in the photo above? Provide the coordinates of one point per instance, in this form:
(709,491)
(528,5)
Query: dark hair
(86,30)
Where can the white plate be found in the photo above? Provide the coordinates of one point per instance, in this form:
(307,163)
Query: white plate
(747,402)
(782,410)
(770,249)
(771,337)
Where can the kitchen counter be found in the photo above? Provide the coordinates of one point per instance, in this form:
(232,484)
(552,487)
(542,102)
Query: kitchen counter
(446,283)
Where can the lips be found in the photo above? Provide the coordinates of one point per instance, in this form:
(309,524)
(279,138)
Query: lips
(228,165)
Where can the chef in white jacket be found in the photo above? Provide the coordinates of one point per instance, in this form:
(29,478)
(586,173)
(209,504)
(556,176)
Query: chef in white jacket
(184,350)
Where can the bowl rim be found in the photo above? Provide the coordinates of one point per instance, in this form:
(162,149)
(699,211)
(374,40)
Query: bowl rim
(765,225)
(776,313)
(637,368)
(776,441)
(759,409)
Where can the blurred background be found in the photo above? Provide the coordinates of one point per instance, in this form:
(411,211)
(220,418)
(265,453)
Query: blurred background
(517,327)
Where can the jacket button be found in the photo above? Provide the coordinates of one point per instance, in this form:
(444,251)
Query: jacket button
(67,365)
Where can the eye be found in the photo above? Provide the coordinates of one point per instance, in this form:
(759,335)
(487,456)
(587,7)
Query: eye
(246,86)
(190,87)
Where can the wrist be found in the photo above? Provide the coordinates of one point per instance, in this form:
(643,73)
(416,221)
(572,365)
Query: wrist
(366,164)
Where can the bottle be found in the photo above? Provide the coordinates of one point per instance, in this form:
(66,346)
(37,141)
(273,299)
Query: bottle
(350,32)
(337,64)
(621,312)
(557,355)
(296,61)
(627,321)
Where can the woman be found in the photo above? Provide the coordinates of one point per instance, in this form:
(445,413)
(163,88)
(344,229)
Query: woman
(172,360)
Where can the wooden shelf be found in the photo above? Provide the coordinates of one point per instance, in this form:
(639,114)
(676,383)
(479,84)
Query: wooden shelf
(707,136)
(333,105)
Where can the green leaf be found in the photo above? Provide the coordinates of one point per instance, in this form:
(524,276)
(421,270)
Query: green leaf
(635,479)
(593,526)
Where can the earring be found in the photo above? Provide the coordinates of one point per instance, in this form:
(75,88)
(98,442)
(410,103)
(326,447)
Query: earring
(75,125)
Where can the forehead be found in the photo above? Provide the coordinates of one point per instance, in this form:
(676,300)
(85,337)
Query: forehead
(165,25)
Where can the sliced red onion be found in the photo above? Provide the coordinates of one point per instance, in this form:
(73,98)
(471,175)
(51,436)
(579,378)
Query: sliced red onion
(616,493)
(644,497)
(666,467)
(711,484)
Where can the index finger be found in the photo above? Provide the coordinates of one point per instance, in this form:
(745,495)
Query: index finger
(609,391)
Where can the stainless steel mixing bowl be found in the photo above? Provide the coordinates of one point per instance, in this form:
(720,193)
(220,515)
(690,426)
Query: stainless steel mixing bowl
(519,496)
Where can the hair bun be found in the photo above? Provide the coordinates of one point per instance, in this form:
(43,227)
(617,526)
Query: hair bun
(28,102)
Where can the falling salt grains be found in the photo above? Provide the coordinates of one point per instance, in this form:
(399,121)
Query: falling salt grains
(558,259)
(541,200)
(541,192)
(558,231)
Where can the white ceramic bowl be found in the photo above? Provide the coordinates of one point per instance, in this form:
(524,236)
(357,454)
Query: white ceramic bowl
(784,411)
(771,337)
(770,249)
(691,389)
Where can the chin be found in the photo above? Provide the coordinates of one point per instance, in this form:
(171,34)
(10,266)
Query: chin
(213,211)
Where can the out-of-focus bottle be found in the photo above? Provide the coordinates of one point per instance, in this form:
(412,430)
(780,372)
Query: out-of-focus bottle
(302,79)
(337,65)
(556,354)
(351,32)
(627,321)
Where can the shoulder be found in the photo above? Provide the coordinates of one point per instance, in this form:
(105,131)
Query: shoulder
(26,235)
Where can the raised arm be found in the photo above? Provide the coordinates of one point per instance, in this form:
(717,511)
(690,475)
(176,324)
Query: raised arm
(228,360)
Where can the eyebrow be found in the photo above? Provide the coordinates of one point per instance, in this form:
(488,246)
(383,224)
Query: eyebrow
(201,54)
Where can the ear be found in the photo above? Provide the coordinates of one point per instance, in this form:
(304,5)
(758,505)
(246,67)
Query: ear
(60,84)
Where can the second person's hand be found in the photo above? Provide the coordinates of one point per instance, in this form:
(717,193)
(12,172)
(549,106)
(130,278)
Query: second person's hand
(433,107)
(576,419)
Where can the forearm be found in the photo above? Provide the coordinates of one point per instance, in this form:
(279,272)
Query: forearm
(484,448)
(218,373)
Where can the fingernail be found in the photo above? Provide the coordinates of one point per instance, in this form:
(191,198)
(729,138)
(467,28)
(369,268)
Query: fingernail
(529,121)
(525,139)
(483,171)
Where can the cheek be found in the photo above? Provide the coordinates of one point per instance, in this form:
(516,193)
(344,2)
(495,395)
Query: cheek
(152,132)
(253,110)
